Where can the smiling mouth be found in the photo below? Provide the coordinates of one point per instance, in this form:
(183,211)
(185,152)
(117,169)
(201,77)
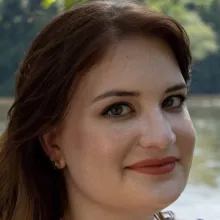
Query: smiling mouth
(155,167)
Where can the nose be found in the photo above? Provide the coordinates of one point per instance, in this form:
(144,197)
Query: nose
(157,131)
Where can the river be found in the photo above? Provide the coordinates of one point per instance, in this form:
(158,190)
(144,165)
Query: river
(201,198)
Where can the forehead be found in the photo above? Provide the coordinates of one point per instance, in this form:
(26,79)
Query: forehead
(135,63)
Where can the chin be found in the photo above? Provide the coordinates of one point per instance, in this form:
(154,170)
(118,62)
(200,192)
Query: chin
(164,199)
(152,203)
(160,198)
(155,205)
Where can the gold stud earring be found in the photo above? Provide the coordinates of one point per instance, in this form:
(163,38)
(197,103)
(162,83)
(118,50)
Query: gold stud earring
(56,164)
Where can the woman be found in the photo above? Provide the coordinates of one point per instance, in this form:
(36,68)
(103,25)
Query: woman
(99,129)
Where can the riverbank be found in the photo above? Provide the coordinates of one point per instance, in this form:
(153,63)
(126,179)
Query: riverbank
(205,101)
(6,101)
(202,195)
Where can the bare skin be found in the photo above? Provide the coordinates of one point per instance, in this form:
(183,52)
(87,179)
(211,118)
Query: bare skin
(97,141)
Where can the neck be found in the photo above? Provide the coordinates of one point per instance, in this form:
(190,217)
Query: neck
(104,215)
(82,208)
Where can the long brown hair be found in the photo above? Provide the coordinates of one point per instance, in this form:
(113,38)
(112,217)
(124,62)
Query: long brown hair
(30,187)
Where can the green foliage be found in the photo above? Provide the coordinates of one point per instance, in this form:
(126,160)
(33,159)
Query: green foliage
(69,3)
(47,3)
(19,23)
(21,20)
(201,21)
(202,36)
(196,28)
(66,4)
(206,73)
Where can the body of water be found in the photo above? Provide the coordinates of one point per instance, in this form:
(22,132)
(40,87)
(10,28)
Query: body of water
(201,198)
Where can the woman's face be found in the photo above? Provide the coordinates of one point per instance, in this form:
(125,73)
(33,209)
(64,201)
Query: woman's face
(129,108)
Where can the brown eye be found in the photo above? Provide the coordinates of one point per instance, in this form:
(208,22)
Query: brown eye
(174,101)
(118,110)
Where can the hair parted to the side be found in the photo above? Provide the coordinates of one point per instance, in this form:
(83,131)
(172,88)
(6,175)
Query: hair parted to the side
(30,188)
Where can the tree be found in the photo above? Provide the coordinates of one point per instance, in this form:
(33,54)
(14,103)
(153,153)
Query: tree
(66,4)
(206,72)
(19,23)
(202,37)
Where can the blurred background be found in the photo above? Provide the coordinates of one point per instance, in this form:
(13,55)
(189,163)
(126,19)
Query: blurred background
(21,20)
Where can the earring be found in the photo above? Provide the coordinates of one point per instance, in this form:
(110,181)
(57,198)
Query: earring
(56,164)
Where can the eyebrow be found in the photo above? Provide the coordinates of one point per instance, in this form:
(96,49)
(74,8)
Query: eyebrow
(123,93)
(119,93)
(176,87)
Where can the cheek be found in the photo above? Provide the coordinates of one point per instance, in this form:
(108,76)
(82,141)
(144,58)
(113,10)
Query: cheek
(186,138)
(95,146)
(108,142)
(95,158)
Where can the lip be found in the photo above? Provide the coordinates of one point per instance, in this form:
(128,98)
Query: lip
(155,166)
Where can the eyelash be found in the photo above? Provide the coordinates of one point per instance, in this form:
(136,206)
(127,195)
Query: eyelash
(109,108)
(182,99)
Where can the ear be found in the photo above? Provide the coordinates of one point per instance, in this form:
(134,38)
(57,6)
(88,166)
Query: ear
(52,149)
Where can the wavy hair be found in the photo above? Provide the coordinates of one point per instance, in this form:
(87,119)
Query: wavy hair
(61,54)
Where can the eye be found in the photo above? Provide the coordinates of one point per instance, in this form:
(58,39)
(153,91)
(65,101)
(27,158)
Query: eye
(174,102)
(120,109)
